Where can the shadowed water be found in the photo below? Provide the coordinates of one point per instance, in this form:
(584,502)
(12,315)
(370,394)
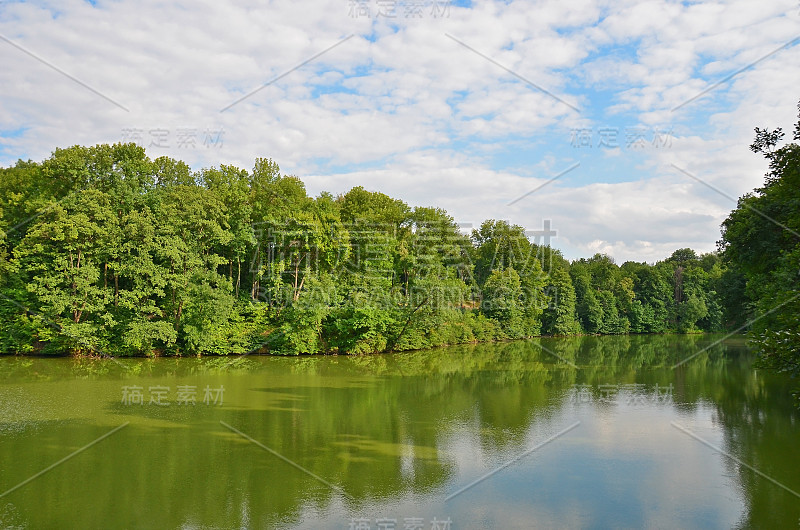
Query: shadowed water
(591,432)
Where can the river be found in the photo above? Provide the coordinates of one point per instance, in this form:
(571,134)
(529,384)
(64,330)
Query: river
(585,432)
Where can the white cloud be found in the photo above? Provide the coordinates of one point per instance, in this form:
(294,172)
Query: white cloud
(431,115)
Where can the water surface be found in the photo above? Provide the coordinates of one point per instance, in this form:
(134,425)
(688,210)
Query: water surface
(592,432)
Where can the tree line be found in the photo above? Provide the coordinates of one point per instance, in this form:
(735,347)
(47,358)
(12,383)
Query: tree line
(104,251)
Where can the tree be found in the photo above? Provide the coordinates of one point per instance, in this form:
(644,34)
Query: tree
(683,257)
(588,309)
(501,301)
(192,222)
(559,316)
(102,248)
(142,323)
(761,245)
(231,186)
(275,199)
(498,246)
(377,225)
(170,172)
(61,257)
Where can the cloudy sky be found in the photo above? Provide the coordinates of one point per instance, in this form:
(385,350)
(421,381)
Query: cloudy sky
(624,124)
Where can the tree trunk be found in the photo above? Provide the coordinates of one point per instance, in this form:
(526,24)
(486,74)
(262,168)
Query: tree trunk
(238,276)
(296,275)
(297,292)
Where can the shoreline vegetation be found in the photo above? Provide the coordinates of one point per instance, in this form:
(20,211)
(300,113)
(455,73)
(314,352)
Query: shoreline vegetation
(123,255)
(104,251)
(98,355)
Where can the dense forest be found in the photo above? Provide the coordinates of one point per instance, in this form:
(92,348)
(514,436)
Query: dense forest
(104,251)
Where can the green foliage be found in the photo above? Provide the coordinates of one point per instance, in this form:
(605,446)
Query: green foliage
(761,247)
(361,324)
(302,329)
(60,262)
(559,316)
(103,250)
(501,301)
(500,246)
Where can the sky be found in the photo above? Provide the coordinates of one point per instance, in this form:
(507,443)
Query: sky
(616,126)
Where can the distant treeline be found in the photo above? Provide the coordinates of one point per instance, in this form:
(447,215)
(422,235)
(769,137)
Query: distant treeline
(104,251)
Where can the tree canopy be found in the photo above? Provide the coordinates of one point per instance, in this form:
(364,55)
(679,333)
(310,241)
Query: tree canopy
(760,248)
(104,251)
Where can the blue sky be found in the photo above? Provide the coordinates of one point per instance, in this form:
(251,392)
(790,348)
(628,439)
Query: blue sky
(463,105)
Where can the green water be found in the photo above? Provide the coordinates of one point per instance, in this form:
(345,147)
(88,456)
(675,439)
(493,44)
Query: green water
(391,441)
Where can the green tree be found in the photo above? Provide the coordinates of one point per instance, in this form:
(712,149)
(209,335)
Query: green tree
(501,301)
(761,244)
(275,199)
(498,246)
(588,308)
(141,321)
(192,222)
(61,259)
(231,186)
(559,316)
